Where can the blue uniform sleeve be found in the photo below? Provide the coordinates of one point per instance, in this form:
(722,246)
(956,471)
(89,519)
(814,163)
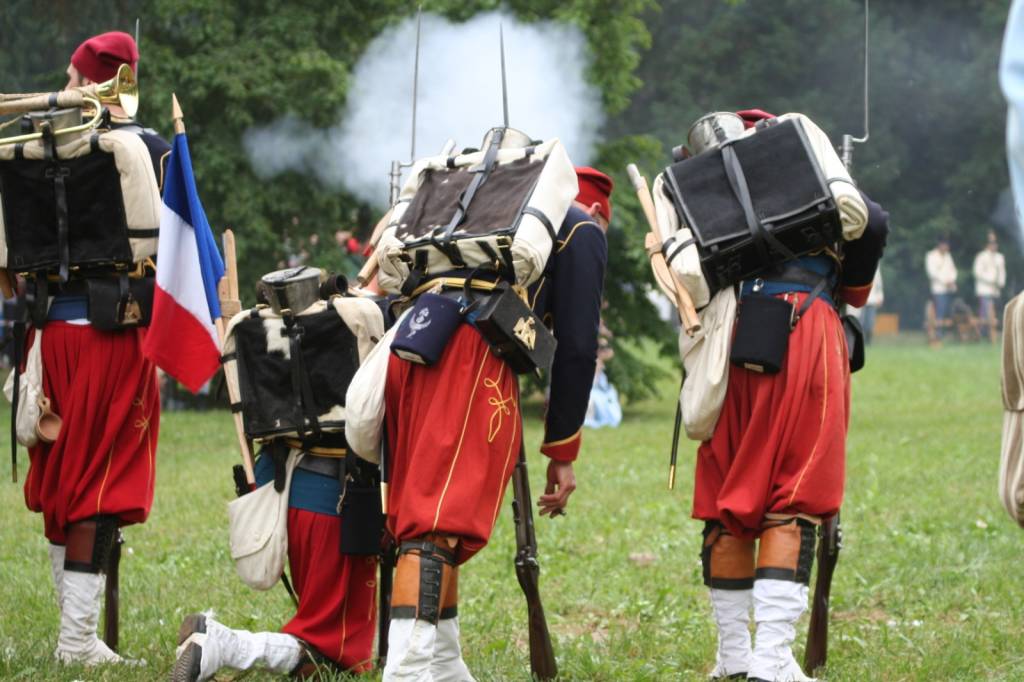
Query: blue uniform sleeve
(159,153)
(577,285)
(861,256)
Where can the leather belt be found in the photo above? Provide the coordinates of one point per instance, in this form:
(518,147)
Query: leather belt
(319,450)
(448,283)
(325,466)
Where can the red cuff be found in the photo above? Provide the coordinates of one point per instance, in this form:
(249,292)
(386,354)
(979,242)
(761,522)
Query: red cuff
(565,450)
(856,296)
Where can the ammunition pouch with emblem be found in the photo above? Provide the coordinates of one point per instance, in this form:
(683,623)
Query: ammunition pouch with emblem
(120,303)
(511,329)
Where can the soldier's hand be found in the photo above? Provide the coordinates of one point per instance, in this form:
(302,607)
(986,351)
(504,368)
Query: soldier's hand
(561,483)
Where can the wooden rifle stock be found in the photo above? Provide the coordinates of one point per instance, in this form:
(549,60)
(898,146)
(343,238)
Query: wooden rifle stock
(816,653)
(369,269)
(6,284)
(231,305)
(388,558)
(112,595)
(542,655)
(666,278)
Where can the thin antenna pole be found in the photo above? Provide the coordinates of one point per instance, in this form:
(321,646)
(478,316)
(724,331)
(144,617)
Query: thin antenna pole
(137,47)
(415,82)
(504,81)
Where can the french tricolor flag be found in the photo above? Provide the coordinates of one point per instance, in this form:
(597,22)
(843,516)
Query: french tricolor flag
(182,336)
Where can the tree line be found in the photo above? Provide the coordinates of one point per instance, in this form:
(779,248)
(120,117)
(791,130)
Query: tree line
(935,158)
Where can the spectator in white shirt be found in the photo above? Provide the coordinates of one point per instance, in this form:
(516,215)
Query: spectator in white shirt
(942,278)
(989,280)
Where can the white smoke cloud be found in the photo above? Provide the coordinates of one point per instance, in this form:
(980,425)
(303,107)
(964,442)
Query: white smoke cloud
(459,98)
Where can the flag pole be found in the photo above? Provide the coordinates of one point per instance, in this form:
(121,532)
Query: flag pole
(227,290)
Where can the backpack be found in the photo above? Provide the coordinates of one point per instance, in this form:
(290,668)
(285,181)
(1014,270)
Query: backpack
(90,201)
(292,372)
(497,209)
(778,192)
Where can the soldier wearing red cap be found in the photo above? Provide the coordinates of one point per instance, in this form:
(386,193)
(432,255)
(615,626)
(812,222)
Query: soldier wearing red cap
(454,433)
(98,475)
(773,467)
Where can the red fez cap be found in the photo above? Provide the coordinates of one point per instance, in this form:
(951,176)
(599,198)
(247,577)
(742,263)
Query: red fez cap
(752,116)
(595,186)
(99,57)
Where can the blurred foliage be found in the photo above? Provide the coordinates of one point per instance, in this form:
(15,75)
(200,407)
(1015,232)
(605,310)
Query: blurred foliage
(247,62)
(935,159)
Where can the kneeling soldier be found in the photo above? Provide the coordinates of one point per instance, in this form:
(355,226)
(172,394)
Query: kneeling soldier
(291,372)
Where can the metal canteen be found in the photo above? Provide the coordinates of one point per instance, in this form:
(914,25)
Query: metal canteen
(58,118)
(293,289)
(711,130)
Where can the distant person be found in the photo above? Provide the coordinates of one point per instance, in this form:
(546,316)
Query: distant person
(866,315)
(942,279)
(604,408)
(989,280)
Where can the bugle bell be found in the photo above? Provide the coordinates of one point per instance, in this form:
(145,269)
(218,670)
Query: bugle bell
(122,90)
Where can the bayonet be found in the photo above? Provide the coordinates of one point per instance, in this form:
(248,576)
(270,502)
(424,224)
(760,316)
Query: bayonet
(504,80)
(415,82)
(395,174)
(849,140)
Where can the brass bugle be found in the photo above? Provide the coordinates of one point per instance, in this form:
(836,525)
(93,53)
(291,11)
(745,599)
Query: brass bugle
(122,90)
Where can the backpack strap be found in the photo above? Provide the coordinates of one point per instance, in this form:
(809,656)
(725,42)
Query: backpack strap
(58,173)
(480,175)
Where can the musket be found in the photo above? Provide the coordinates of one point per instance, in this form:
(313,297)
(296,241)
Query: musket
(112,595)
(231,305)
(830,542)
(388,559)
(542,655)
(663,274)
(830,532)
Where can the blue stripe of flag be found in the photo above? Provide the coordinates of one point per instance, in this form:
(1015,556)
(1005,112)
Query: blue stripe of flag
(182,197)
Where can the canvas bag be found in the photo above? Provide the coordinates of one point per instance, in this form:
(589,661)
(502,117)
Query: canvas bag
(511,221)
(30,390)
(130,178)
(705,358)
(258,530)
(364,399)
(682,252)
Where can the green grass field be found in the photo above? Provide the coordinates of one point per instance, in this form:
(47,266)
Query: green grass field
(928,587)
